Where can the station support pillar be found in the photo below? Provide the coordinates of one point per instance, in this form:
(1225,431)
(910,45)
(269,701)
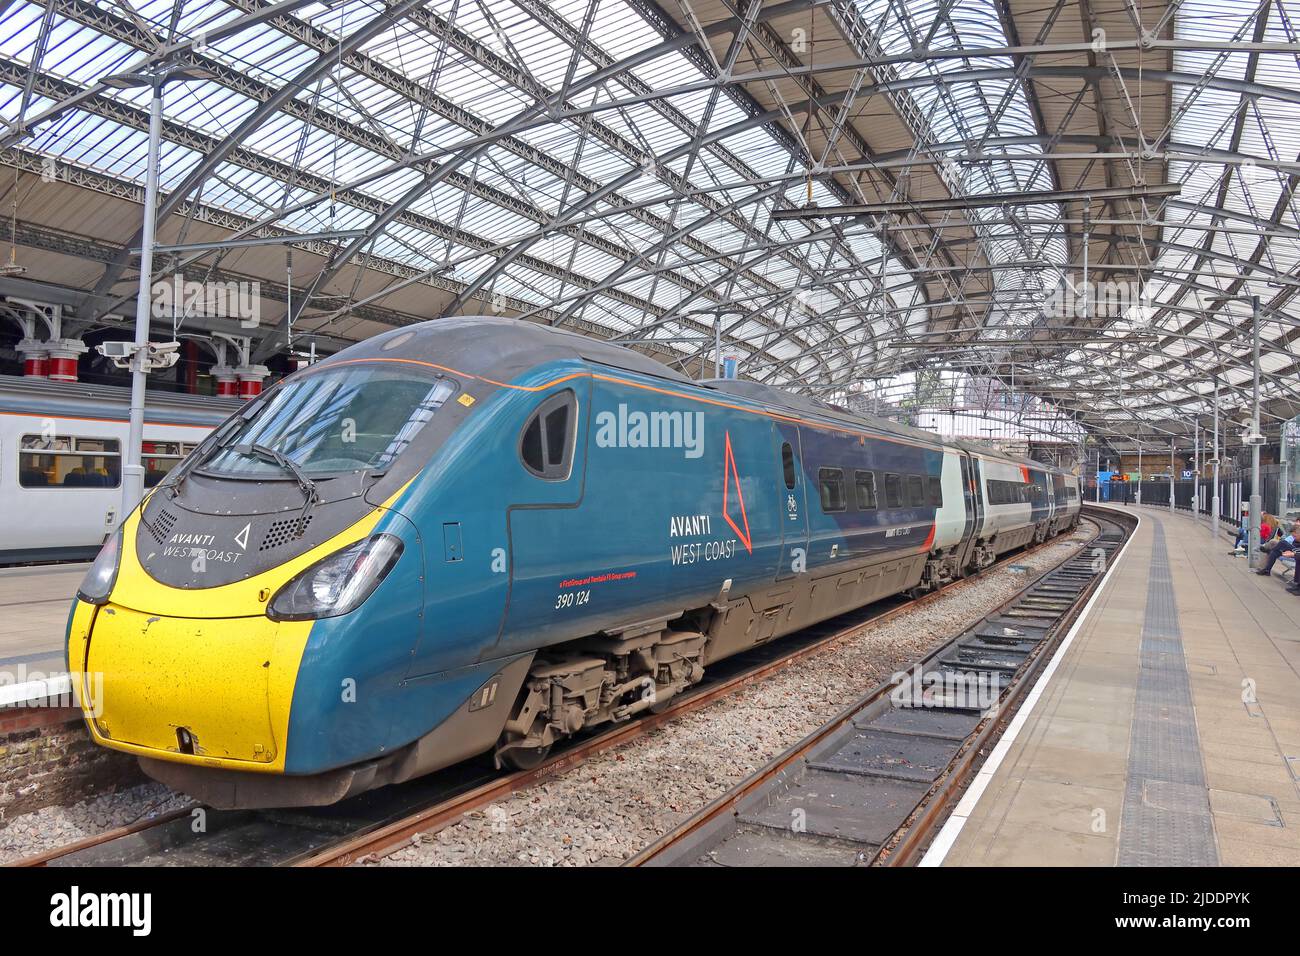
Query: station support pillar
(62,366)
(250,380)
(36,358)
(227,381)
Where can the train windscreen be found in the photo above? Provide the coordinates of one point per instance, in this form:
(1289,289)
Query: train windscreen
(359,417)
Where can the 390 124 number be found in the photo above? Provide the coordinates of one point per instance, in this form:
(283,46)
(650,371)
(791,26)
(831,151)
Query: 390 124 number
(572,599)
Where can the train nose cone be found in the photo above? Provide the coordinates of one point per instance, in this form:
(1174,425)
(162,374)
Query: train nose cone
(216,690)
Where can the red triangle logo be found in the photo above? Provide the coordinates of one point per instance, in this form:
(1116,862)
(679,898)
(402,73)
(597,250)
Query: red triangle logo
(729,473)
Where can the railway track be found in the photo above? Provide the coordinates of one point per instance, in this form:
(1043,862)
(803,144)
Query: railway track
(872,785)
(380,820)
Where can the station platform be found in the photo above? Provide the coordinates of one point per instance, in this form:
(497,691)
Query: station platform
(34,604)
(1167,730)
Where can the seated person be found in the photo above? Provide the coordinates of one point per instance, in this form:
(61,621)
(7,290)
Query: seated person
(1294,586)
(1279,548)
(1243,531)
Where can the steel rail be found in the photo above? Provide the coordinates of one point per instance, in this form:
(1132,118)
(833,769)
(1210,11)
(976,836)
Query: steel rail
(99,839)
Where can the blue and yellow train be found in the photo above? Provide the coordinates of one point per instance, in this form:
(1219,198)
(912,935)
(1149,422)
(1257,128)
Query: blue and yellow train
(478,535)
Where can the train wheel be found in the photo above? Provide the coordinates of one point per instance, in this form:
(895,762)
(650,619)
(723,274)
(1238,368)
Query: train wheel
(525,758)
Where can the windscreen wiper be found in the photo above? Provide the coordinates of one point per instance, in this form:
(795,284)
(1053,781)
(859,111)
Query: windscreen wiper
(200,455)
(309,493)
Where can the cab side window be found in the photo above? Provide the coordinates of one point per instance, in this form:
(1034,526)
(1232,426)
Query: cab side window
(546,444)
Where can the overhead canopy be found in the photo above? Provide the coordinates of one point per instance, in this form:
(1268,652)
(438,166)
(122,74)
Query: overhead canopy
(641,172)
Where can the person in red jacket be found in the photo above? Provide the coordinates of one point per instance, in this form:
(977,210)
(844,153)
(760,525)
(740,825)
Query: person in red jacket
(1265,532)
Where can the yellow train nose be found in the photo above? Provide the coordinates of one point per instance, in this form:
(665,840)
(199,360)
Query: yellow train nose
(211,690)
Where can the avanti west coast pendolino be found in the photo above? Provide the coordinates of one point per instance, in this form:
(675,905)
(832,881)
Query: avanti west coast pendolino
(477,535)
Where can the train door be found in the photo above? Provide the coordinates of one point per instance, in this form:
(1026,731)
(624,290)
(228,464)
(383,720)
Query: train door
(542,520)
(971,502)
(794,504)
(1041,499)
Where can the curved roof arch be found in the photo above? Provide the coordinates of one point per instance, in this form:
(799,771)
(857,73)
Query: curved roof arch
(845,193)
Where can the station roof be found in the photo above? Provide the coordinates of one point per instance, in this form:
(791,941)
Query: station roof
(852,190)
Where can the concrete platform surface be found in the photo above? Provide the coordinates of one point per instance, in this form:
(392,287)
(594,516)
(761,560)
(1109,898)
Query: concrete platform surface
(34,604)
(1169,731)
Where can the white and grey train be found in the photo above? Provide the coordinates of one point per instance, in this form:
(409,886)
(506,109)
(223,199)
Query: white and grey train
(60,460)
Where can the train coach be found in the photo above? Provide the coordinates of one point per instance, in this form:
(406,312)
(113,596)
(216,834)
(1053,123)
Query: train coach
(480,535)
(60,460)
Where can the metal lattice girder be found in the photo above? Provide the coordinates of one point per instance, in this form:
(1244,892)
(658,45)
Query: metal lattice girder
(621,166)
(200,142)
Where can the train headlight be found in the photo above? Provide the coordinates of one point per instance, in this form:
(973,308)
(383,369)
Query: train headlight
(99,580)
(338,584)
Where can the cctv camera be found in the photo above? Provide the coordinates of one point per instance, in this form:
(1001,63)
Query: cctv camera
(116,350)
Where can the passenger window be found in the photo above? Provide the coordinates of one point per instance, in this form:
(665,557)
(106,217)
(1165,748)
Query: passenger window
(546,445)
(160,457)
(69,462)
(787,464)
(934,492)
(915,491)
(893,491)
(831,483)
(865,483)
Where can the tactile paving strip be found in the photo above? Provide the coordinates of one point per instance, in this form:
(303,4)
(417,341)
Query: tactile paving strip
(1166,817)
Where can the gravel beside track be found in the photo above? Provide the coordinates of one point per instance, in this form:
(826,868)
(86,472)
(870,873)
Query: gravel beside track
(609,807)
(41,830)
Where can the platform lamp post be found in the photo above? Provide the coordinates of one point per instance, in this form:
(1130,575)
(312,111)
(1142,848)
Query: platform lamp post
(141,360)
(1214,461)
(1139,488)
(1196,471)
(1097,473)
(718,312)
(1171,477)
(1255,439)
